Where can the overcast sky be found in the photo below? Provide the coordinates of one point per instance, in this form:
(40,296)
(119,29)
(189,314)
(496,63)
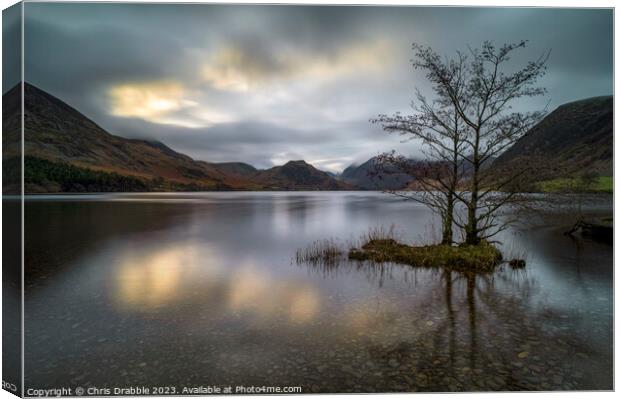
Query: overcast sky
(267,84)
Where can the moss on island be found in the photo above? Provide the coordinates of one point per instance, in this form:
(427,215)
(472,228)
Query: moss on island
(482,258)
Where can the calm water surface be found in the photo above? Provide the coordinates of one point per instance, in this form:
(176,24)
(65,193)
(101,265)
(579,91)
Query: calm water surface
(198,289)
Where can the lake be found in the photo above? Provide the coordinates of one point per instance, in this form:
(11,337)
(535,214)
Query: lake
(201,289)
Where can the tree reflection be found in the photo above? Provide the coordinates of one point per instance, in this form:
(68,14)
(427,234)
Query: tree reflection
(469,331)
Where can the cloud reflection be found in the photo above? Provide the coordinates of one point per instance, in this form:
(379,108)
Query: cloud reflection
(192,275)
(253,290)
(157,278)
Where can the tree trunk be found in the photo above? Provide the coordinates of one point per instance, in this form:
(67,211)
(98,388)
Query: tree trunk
(471,232)
(447,221)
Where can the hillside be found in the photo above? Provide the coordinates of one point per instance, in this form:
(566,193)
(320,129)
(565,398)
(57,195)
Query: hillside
(58,135)
(575,138)
(56,132)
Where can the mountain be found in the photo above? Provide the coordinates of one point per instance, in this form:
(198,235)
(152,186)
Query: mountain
(576,137)
(66,151)
(299,175)
(365,176)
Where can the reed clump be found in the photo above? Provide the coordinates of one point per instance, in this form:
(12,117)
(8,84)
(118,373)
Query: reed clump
(321,251)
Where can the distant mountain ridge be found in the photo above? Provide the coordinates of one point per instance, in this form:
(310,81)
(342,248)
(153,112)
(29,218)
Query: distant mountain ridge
(67,151)
(58,133)
(368,176)
(298,175)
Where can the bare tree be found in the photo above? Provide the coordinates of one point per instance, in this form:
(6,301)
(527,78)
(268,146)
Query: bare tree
(477,90)
(441,129)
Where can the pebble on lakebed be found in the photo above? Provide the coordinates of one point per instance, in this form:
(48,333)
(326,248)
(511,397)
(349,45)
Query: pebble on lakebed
(517,263)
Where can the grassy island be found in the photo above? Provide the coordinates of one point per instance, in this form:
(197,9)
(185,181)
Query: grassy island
(483,257)
(383,246)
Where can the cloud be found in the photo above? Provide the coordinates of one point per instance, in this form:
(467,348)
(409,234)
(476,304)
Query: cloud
(260,84)
(232,68)
(239,67)
(165,102)
(11,46)
(151,101)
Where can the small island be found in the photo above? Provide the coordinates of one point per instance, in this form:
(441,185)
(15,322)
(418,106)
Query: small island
(481,258)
